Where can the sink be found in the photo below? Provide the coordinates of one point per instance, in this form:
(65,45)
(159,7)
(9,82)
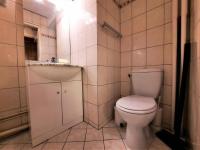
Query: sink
(55,72)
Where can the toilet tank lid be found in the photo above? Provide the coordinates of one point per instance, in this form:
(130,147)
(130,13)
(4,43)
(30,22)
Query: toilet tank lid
(147,70)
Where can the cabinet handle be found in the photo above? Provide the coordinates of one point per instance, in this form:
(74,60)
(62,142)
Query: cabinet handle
(58,92)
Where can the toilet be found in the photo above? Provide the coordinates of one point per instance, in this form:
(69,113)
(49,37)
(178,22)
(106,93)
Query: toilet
(138,110)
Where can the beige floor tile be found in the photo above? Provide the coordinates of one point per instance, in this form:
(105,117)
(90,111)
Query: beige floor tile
(77,135)
(94,145)
(53,146)
(112,141)
(94,135)
(151,148)
(127,148)
(12,147)
(111,124)
(114,145)
(111,134)
(29,147)
(62,137)
(74,146)
(159,145)
(89,126)
(81,125)
(156,145)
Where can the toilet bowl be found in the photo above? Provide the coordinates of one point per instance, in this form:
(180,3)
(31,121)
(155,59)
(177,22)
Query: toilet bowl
(139,109)
(138,112)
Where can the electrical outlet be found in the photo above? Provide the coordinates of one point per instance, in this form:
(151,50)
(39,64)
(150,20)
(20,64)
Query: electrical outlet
(3,3)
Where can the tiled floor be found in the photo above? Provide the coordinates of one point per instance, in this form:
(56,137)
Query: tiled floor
(80,137)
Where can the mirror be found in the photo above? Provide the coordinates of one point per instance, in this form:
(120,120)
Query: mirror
(46,32)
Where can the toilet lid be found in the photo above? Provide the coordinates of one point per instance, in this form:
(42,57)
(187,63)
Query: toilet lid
(137,104)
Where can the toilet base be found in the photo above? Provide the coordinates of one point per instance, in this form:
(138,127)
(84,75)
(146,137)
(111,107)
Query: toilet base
(138,138)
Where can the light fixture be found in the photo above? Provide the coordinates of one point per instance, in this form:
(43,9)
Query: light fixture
(39,1)
(73,11)
(60,4)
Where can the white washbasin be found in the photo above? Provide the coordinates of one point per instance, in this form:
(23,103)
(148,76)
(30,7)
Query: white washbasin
(56,72)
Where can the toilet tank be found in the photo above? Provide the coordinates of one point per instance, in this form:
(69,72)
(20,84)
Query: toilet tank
(147,82)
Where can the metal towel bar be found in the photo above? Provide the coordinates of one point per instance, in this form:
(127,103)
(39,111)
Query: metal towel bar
(106,25)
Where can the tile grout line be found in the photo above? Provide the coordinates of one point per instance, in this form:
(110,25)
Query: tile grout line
(103,139)
(70,129)
(132,45)
(64,143)
(146,33)
(122,137)
(85,137)
(17,67)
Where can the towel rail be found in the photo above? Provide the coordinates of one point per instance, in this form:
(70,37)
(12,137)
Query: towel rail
(105,25)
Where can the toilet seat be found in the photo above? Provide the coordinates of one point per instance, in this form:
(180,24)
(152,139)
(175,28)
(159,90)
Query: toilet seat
(137,104)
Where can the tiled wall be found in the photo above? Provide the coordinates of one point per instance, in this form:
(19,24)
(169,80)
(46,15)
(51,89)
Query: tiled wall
(46,34)
(83,36)
(146,26)
(147,42)
(108,60)
(12,70)
(98,51)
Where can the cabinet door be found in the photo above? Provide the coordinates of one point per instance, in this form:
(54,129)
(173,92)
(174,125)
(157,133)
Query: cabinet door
(72,101)
(45,108)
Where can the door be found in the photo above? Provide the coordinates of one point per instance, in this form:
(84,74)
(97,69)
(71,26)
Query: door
(72,101)
(45,108)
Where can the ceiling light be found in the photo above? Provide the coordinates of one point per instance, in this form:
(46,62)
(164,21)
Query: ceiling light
(60,4)
(39,1)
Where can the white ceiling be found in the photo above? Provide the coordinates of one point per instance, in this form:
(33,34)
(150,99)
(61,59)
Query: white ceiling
(43,8)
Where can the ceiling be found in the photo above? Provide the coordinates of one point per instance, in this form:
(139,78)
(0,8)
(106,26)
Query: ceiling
(44,8)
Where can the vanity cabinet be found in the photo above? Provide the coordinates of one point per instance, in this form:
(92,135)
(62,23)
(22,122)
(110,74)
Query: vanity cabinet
(45,102)
(71,99)
(54,105)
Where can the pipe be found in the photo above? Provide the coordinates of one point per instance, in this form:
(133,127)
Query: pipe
(13,131)
(13,116)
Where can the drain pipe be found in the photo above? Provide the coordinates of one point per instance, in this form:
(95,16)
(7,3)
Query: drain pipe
(13,131)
